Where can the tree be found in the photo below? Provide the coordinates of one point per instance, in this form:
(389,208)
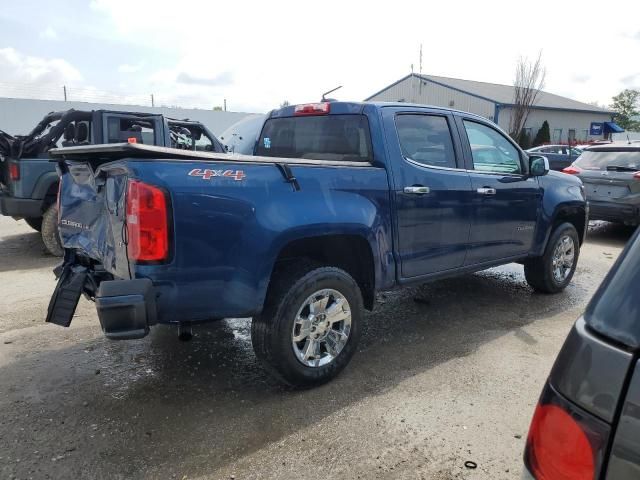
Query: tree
(524,140)
(217,108)
(285,104)
(626,105)
(543,136)
(527,84)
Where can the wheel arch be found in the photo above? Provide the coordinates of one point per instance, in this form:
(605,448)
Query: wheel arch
(350,252)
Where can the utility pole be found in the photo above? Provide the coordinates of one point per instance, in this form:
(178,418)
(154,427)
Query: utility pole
(152,102)
(420,88)
(225,104)
(64,90)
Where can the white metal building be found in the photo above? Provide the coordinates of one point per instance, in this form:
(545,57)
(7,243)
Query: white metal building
(568,119)
(20,116)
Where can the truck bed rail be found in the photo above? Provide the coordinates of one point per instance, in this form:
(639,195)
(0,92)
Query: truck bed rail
(116,151)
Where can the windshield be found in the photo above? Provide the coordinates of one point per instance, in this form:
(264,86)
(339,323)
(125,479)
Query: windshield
(328,137)
(241,136)
(594,160)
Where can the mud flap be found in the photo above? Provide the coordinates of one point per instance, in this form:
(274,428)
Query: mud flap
(66,295)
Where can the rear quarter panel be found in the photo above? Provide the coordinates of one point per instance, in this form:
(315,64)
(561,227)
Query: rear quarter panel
(228,233)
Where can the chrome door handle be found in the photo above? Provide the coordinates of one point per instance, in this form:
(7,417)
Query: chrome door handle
(486,191)
(416,190)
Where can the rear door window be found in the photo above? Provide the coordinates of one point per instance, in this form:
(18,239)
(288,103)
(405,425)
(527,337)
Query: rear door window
(426,139)
(326,137)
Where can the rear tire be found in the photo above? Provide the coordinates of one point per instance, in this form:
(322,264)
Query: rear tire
(50,234)
(35,223)
(553,271)
(326,344)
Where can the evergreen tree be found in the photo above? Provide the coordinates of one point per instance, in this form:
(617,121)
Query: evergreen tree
(524,140)
(543,136)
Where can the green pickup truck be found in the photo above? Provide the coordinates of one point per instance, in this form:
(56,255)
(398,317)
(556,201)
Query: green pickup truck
(29,180)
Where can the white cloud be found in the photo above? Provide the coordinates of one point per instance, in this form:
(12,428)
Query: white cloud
(49,33)
(20,69)
(127,68)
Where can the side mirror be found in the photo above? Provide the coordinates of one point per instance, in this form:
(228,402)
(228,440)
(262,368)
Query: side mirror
(538,165)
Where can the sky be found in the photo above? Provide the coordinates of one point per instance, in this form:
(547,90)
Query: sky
(257,54)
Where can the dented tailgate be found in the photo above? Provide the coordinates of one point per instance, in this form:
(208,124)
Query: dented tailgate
(92,213)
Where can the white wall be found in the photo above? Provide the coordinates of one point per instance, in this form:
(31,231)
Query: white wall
(19,116)
(409,90)
(558,119)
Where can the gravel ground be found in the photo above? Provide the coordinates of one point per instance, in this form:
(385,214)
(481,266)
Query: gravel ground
(447,372)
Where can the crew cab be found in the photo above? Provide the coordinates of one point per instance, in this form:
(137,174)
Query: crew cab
(340,201)
(29,181)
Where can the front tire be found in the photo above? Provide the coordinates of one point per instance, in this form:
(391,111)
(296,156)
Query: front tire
(553,271)
(310,325)
(50,234)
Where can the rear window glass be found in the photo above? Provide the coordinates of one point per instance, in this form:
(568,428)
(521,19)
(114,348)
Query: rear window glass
(590,160)
(328,137)
(615,309)
(121,129)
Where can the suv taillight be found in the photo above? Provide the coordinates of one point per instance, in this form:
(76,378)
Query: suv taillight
(558,448)
(571,170)
(147,223)
(564,442)
(636,176)
(14,171)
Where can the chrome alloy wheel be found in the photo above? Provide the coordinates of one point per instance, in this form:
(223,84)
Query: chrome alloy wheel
(562,260)
(321,328)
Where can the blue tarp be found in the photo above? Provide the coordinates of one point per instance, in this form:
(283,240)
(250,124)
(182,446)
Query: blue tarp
(612,127)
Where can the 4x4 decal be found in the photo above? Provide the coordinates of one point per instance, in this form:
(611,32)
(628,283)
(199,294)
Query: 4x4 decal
(207,173)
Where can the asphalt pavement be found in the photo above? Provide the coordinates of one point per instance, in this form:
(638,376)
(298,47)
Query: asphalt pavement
(446,373)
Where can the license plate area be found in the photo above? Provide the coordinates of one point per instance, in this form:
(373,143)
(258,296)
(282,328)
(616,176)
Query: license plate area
(66,295)
(608,191)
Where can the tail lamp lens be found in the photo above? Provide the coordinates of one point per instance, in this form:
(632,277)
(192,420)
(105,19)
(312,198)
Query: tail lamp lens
(557,446)
(636,176)
(14,171)
(571,170)
(147,223)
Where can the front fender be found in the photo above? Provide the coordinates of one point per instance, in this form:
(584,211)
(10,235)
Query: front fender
(563,198)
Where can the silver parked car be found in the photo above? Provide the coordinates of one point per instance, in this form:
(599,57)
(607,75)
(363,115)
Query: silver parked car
(559,156)
(611,177)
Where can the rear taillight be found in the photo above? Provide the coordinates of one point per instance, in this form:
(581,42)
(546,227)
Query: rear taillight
(565,442)
(636,176)
(313,109)
(147,223)
(571,170)
(557,447)
(14,171)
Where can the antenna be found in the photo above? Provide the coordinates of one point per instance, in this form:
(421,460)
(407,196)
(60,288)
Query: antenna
(327,93)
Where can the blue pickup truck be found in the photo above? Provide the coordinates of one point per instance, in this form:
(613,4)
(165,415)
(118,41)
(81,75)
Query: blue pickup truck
(340,201)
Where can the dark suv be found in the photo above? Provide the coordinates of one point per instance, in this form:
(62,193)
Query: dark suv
(587,422)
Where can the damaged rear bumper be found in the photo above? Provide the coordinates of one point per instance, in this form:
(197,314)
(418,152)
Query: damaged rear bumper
(126,308)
